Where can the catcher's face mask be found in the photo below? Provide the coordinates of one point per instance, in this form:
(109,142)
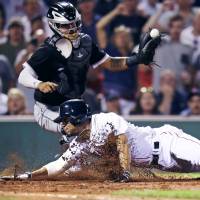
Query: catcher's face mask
(70,31)
(65,20)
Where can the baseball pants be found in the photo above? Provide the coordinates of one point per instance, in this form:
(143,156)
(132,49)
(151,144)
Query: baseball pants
(44,115)
(178,150)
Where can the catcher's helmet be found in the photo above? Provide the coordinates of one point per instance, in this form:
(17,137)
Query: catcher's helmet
(65,20)
(76,111)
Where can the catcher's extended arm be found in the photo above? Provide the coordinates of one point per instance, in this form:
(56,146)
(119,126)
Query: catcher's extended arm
(145,55)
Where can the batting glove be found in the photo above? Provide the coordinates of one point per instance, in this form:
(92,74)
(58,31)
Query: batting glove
(124,177)
(25,176)
(64,140)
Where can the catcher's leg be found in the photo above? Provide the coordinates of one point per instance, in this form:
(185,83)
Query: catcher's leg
(45,117)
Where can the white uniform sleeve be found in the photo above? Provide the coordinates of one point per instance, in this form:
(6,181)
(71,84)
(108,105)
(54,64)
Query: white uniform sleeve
(28,77)
(68,159)
(118,124)
(75,151)
(103,124)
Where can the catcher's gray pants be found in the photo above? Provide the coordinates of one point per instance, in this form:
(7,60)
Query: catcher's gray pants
(44,115)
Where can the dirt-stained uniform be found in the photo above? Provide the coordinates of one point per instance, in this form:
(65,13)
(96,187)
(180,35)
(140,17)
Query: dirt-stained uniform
(164,147)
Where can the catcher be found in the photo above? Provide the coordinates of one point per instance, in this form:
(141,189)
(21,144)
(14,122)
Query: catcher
(167,147)
(58,69)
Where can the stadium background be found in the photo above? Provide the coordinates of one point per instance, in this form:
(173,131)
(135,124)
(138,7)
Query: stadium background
(171,92)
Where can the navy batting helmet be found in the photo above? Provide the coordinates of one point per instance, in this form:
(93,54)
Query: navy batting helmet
(76,111)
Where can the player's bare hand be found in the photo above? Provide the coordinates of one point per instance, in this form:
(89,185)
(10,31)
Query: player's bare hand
(121,9)
(168,5)
(47,87)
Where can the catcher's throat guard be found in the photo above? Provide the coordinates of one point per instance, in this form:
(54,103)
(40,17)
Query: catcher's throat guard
(64,46)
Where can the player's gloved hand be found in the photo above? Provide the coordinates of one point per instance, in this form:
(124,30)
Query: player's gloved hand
(145,56)
(25,176)
(47,87)
(124,177)
(146,52)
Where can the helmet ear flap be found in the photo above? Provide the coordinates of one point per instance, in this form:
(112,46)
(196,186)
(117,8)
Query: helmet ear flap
(89,112)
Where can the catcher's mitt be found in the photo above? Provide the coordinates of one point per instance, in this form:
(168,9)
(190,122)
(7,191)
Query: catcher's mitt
(147,48)
(146,51)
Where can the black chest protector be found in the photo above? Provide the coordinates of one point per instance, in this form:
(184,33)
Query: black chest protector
(69,73)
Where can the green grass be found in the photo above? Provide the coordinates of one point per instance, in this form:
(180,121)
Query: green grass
(2,198)
(180,194)
(7,198)
(175,175)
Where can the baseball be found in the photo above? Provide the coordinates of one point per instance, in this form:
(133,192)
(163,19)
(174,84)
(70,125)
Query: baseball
(154,33)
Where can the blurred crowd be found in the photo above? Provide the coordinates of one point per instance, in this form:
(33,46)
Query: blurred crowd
(169,87)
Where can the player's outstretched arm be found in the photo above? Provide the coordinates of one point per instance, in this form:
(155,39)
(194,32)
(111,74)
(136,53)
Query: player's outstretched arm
(52,169)
(115,64)
(41,173)
(124,158)
(147,47)
(55,168)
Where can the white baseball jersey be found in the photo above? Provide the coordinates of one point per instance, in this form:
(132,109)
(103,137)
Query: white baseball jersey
(103,124)
(177,150)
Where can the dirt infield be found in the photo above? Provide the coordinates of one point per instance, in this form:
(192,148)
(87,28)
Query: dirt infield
(93,183)
(88,189)
(93,187)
